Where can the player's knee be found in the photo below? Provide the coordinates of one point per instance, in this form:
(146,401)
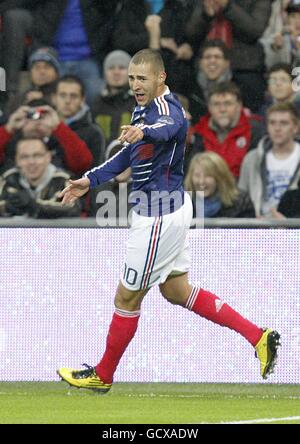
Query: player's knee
(128,300)
(125,302)
(171,297)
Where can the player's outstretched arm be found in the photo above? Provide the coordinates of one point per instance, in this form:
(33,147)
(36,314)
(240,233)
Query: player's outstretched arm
(75,190)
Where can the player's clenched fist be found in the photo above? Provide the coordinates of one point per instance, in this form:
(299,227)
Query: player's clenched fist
(131,134)
(76,189)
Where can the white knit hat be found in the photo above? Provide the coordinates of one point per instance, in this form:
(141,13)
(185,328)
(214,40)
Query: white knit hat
(116,58)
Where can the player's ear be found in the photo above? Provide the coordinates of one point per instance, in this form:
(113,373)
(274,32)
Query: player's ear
(162,77)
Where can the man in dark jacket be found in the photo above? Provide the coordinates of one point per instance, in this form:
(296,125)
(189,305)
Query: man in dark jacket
(44,71)
(227,129)
(213,66)
(31,188)
(75,113)
(240,23)
(113,107)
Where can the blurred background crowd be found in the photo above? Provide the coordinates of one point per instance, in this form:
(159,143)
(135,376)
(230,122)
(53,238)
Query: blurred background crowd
(234,65)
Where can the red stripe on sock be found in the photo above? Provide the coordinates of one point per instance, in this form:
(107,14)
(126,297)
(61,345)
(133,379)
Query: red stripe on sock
(121,331)
(210,306)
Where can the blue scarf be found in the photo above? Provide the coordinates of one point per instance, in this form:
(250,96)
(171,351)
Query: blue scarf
(212,206)
(208,208)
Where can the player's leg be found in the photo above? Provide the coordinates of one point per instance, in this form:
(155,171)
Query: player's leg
(142,244)
(121,331)
(206,304)
(177,290)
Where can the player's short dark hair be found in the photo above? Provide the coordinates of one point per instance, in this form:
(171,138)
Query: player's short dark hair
(70,78)
(151,56)
(284,107)
(215,43)
(225,88)
(280,66)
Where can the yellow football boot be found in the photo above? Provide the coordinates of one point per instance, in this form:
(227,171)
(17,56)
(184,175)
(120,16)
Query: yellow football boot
(266,351)
(86,378)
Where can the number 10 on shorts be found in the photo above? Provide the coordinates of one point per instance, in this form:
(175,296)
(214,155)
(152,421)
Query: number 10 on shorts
(130,275)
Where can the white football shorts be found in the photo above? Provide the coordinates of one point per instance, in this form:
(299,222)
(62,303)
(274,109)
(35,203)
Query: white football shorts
(157,247)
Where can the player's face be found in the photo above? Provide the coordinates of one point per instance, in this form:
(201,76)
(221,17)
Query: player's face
(225,109)
(282,128)
(145,82)
(203,182)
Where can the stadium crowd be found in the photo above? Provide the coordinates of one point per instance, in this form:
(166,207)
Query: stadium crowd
(234,65)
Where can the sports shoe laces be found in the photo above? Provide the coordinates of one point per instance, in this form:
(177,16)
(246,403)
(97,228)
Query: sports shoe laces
(84,373)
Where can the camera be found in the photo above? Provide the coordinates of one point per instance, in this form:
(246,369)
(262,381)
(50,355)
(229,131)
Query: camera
(35,114)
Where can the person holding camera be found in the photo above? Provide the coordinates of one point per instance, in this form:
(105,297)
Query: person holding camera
(31,188)
(69,150)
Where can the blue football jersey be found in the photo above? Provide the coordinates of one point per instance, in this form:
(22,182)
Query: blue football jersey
(157,160)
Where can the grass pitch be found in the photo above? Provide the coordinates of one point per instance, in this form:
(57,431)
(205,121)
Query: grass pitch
(56,403)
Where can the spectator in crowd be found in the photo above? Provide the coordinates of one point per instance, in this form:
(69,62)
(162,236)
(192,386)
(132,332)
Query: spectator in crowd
(39,120)
(280,88)
(145,24)
(31,188)
(113,107)
(212,66)
(284,46)
(277,21)
(44,67)
(44,70)
(120,187)
(209,177)
(75,113)
(240,24)
(80,31)
(227,129)
(16,20)
(272,170)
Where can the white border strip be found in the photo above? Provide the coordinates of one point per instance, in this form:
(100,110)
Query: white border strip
(257,421)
